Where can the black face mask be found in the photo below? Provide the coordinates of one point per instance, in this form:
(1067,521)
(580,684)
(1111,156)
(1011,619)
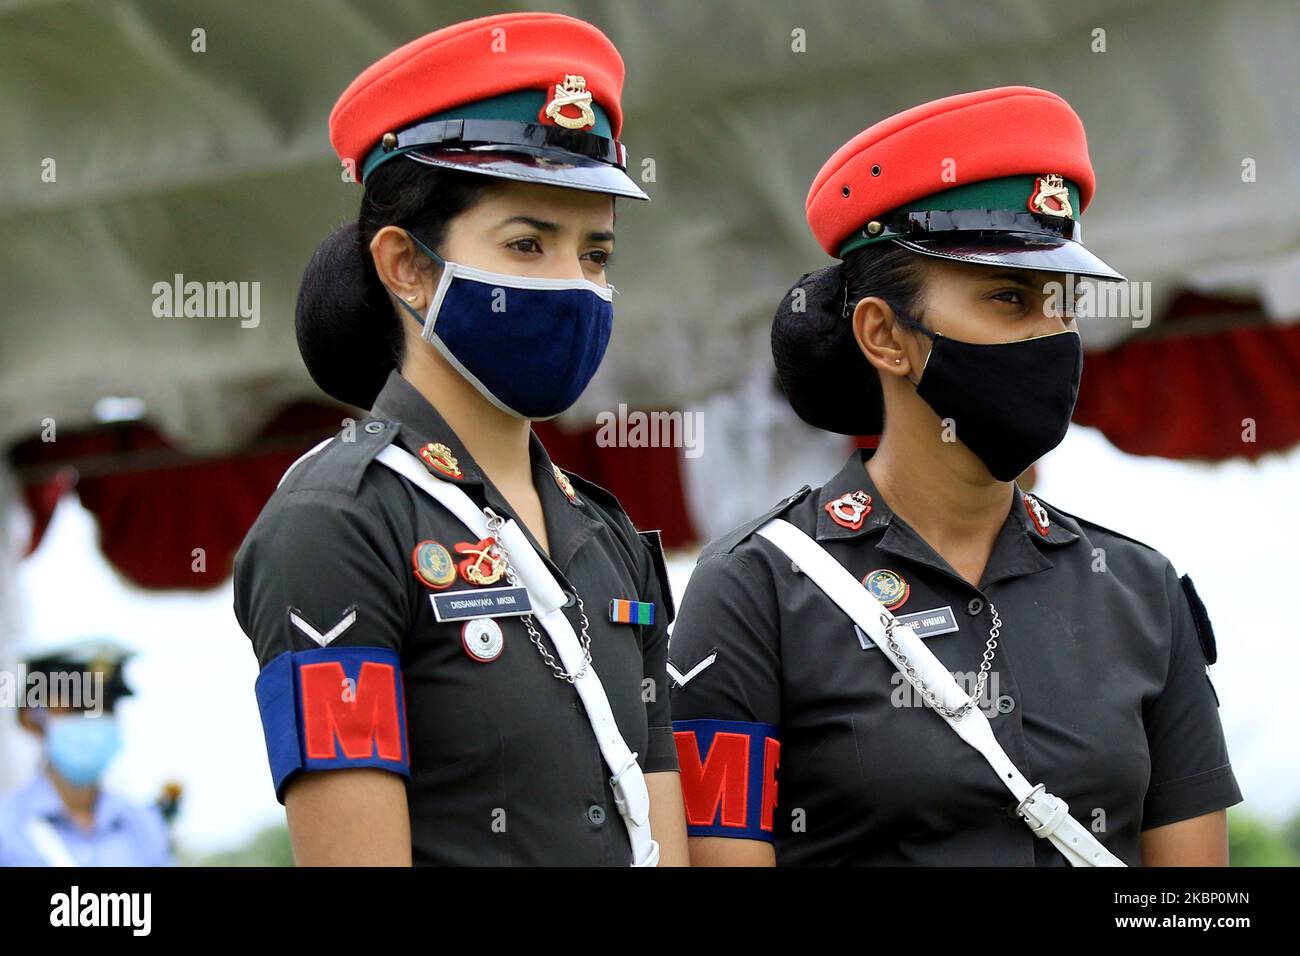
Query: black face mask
(1011,402)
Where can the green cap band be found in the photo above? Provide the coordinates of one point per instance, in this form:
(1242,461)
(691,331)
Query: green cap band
(1008,192)
(521,106)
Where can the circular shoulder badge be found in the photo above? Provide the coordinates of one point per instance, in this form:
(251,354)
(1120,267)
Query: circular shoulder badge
(433,565)
(482,639)
(887,587)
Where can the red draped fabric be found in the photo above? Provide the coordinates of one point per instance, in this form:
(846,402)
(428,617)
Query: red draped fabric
(166,520)
(171,521)
(1214,377)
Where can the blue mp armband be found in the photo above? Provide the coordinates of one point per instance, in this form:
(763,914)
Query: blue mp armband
(728,773)
(333,707)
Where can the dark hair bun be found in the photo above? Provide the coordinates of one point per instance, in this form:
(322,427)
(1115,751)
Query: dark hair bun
(826,378)
(347,331)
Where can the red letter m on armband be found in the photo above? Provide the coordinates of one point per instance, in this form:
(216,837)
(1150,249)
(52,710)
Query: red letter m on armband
(365,722)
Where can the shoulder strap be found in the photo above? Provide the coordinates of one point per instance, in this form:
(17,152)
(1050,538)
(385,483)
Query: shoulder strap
(315,449)
(654,542)
(1045,814)
(547,597)
(731,539)
(1089,523)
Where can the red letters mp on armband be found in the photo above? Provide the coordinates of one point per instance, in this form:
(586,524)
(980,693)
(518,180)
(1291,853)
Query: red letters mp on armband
(728,771)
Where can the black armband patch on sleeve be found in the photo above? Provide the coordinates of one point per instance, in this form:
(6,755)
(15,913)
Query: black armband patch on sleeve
(1202,620)
(654,542)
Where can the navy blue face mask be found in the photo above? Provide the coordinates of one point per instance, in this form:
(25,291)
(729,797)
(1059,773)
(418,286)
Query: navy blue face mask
(1010,402)
(529,345)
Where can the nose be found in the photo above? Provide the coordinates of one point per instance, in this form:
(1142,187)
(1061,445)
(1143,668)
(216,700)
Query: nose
(566,263)
(1057,314)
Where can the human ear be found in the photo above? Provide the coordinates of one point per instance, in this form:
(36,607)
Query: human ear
(402,266)
(876,331)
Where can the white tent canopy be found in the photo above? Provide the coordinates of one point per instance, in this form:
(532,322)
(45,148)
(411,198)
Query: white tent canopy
(216,166)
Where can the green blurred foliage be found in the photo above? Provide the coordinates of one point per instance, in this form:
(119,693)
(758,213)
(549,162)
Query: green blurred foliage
(1253,841)
(268,847)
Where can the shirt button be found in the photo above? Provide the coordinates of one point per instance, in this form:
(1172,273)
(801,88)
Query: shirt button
(596,814)
(974,606)
(374,428)
(1005,704)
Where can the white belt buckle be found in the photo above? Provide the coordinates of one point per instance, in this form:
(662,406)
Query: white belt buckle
(616,781)
(1055,811)
(1020,807)
(639,814)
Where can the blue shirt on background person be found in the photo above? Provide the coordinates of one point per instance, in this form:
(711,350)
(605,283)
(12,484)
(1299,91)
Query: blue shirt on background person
(37,829)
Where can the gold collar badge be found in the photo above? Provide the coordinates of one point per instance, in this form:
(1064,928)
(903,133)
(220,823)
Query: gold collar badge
(572,92)
(565,484)
(439,457)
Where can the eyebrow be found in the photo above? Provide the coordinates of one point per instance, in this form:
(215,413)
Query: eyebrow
(1019,278)
(541,225)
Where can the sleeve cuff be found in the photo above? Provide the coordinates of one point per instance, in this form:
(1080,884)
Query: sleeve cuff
(1189,797)
(661,754)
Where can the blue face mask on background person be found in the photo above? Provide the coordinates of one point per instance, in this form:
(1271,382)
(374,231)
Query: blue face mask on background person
(529,345)
(80,748)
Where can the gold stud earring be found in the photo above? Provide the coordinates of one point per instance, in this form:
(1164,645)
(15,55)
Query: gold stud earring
(412,298)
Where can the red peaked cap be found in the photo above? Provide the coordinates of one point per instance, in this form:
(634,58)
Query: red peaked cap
(988,134)
(471,61)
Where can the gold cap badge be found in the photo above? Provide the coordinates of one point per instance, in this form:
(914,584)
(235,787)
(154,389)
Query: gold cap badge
(1051,197)
(572,92)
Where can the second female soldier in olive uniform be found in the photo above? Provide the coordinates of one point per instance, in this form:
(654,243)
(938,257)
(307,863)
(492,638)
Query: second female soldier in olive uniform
(800,741)
(434,689)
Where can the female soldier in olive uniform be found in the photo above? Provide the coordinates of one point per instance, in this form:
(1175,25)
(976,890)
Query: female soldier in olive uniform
(429,691)
(800,741)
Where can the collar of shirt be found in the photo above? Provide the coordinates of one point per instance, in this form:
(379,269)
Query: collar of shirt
(1019,548)
(568,524)
(44,800)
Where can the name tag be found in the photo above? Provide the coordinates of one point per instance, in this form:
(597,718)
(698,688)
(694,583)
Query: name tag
(939,620)
(480,602)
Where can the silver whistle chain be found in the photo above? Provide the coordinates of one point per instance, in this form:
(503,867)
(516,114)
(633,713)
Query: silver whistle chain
(890,623)
(494,523)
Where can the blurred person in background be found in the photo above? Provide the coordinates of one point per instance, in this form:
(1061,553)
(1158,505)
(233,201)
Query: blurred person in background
(64,816)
